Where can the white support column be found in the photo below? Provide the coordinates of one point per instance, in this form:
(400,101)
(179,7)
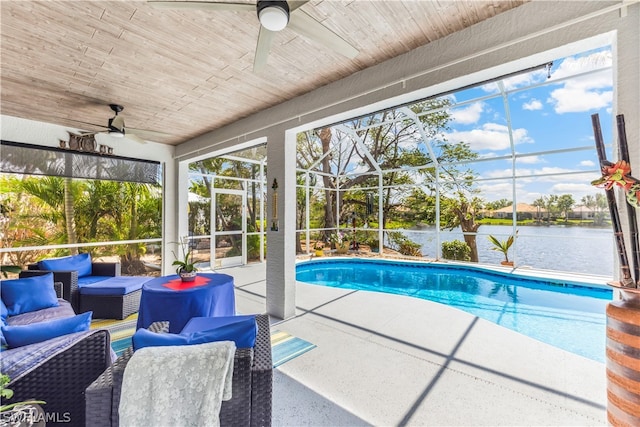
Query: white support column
(177,188)
(281,245)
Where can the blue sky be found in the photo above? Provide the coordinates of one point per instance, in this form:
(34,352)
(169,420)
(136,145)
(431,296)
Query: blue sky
(554,116)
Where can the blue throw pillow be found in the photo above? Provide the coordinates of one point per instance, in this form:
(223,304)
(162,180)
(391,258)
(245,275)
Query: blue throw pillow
(28,294)
(145,338)
(80,262)
(242,331)
(21,335)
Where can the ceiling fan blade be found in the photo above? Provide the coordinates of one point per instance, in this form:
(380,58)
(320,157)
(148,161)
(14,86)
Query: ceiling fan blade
(306,25)
(84,123)
(143,132)
(293,5)
(117,124)
(203,5)
(134,137)
(262,49)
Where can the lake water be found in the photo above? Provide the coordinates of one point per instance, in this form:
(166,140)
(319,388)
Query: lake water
(574,249)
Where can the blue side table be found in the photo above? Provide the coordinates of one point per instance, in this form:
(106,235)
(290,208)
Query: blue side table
(167,298)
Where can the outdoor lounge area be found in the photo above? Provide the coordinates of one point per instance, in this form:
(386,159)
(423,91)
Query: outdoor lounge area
(500,134)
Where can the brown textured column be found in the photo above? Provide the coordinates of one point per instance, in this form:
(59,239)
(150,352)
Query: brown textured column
(623,360)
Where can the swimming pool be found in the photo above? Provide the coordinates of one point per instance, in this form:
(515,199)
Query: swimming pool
(568,315)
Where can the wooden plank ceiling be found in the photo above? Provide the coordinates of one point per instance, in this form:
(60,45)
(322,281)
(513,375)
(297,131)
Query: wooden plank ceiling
(187,72)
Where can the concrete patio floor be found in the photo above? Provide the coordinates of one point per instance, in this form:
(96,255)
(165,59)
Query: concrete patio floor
(388,360)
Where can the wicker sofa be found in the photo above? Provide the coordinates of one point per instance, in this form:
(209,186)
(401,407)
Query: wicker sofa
(104,306)
(252,385)
(58,370)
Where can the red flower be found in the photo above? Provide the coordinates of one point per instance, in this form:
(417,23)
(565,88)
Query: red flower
(618,174)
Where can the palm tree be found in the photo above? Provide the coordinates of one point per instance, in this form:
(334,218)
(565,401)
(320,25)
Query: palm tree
(503,246)
(539,203)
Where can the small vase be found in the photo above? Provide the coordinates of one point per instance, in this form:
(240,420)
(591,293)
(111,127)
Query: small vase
(188,276)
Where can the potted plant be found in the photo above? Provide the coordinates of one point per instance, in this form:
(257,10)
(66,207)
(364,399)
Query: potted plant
(318,247)
(186,268)
(15,413)
(341,241)
(503,246)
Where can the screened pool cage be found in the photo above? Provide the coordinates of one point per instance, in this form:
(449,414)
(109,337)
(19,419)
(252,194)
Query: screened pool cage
(433,180)
(436,178)
(228,192)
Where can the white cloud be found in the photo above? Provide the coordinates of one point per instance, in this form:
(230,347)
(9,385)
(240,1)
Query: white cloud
(502,190)
(584,93)
(542,174)
(492,136)
(532,105)
(530,160)
(575,65)
(588,163)
(576,100)
(578,191)
(468,115)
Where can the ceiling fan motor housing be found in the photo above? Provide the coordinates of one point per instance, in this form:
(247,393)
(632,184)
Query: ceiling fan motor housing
(273,15)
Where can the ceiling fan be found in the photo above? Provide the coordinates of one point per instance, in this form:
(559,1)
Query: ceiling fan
(115,127)
(274,16)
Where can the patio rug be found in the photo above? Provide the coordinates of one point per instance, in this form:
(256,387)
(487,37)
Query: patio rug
(284,346)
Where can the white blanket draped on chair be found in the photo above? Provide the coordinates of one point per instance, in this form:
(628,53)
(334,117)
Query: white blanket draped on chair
(177,386)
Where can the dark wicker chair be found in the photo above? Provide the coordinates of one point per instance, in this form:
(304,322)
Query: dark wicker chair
(252,385)
(103,306)
(62,379)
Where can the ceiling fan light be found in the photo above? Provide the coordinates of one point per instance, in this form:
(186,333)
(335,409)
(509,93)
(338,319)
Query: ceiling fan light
(273,15)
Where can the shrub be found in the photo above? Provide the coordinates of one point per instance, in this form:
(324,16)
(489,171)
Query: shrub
(456,250)
(404,245)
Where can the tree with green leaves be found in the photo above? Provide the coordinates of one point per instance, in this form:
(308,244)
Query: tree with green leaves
(101,211)
(460,204)
(550,204)
(539,204)
(497,204)
(335,153)
(564,204)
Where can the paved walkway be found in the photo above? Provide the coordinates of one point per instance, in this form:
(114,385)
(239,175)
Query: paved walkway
(388,360)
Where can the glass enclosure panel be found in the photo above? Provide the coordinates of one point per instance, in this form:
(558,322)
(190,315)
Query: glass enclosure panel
(510,158)
(200,249)
(228,245)
(228,214)
(237,181)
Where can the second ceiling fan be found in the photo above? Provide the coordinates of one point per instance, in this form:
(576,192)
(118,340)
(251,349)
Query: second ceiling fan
(274,16)
(115,127)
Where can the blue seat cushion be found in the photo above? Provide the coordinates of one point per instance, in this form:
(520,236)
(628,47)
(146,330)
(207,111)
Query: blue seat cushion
(28,294)
(80,262)
(240,329)
(88,280)
(119,285)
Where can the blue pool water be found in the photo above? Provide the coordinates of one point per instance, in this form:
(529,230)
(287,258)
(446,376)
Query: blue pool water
(570,316)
